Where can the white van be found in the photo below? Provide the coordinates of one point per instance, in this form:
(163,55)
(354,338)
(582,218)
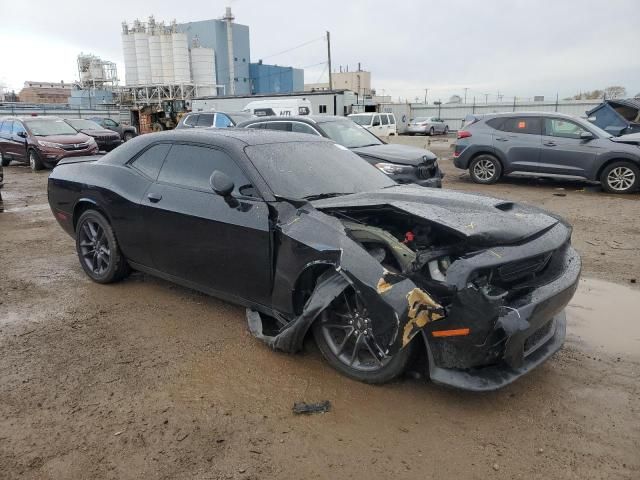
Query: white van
(286,107)
(380,124)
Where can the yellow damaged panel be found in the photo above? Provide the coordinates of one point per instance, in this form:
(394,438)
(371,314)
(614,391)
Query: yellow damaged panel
(422,310)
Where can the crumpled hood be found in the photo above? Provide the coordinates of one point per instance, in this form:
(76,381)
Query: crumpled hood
(632,138)
(402,154)
(485,221)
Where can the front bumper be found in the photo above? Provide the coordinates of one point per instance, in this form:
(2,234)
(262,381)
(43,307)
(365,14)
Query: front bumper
(525,334)
(108,144)
(52,156)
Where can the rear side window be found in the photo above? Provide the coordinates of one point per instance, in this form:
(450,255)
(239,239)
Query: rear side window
(191,166)
(392,120)
(281,126)
(255,125)
(529,125)
(191,120)
(205,120)
(150,162)
(385,119)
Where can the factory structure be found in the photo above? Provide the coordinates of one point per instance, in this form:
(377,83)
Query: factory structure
(195,59)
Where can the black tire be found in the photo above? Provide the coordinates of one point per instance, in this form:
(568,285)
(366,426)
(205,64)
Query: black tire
(338,343)
(127,136)
(620,177)
(4,161)
(485,169)
(98,250)
(446,130)
(431,132)
(34,160)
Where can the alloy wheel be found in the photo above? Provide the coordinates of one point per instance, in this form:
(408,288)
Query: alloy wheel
(32,160)
(94,247)
(484,169)
(347,331)
(621,178)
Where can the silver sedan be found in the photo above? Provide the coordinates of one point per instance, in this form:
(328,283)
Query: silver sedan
(427,126)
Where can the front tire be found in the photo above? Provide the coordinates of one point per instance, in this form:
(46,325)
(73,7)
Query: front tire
(98,249)
(432,132)
(34,161)
(127,136)
(446,130)
(343,335)
(620,177)
(485,169)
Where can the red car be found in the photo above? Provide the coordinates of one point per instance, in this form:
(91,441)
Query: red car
(41,141)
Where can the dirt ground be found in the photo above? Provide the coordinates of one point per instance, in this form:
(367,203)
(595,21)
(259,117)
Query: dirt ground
(143,379)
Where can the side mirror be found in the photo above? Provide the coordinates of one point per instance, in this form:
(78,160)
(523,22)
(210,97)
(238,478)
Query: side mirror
(22,134)
(221,183)
(586,136)
(592,118)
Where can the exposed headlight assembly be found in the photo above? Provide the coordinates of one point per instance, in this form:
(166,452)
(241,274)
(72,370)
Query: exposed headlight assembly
(438,268)
(392,168)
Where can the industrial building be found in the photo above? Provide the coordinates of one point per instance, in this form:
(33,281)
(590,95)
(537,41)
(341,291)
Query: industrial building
(45,92)
(98,78)
(275,79)
(358,81)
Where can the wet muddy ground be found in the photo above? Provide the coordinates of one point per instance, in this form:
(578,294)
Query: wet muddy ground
(144,379)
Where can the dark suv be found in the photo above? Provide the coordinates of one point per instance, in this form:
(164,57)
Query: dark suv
(546,144)
(126,132)
(41,141)
(403,163)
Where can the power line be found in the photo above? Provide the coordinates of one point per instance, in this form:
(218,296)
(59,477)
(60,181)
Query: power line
(294,48)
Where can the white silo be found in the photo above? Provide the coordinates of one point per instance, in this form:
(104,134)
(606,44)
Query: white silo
(203,69)
(155,58)
(166,49)
(141,39)
(129,52)
(181,71)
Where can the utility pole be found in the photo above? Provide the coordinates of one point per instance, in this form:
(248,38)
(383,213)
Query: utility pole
(329,60)
(486,98)
(426,91)
(465,94)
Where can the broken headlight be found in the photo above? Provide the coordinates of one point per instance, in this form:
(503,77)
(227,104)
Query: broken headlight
(438,268)
(393,169)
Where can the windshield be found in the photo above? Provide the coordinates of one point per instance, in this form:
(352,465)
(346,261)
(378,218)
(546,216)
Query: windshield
(349,134)
(79,124)
(49,127)
(314,169)
(361,119)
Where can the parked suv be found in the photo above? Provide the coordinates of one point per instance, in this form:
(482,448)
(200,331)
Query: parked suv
(106,139)
(213,119)
(126,132)
(41,141)
(554,144)
(402,163)
(380,124)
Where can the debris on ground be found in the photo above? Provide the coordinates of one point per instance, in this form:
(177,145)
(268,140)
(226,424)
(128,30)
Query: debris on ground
(308,408)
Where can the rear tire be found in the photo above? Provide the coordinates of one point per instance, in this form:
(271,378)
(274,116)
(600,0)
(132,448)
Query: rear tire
(446,130)
(431,132)
(620,177)
(4,161)
(127,136)
(337,340)
(34,161)
(485,169)
(98,249)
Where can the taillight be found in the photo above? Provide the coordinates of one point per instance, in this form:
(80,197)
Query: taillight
(463,134)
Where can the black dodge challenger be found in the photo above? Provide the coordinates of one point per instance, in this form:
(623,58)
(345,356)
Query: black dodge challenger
(314,240)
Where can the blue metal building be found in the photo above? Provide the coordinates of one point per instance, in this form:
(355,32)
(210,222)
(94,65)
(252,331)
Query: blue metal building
(275,79)
(213,34)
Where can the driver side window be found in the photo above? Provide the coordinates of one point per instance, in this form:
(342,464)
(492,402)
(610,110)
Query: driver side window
(559,127)
(110,123)
(376,121)
(191,166)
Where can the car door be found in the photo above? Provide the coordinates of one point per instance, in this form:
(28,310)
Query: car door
(517,141)
(19,141)
(384,121)
(393,129)
(563,151)
(6,143)
(214,243)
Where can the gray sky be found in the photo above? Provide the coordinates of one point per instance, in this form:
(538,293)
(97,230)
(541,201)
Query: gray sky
(517,47)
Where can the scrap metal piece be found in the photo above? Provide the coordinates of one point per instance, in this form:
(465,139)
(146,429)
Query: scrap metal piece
(422,310)
(308,408)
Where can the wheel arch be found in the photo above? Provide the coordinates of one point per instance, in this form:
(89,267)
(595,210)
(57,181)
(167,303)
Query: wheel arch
(487,152)
(84,204)
(609,161)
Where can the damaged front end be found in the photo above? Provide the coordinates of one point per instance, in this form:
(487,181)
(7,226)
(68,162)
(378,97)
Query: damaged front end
(489,308)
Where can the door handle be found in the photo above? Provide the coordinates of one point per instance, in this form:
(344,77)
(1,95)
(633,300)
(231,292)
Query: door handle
(550,144)
(154,197)
(501,139)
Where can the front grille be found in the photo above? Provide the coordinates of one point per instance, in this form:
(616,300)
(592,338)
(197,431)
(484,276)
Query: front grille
(425,171)
(510,272)
(537,338)
(75,146)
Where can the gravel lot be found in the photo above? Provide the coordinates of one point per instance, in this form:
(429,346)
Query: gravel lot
(144,379)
